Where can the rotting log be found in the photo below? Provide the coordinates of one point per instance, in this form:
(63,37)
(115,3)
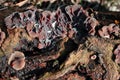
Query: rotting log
(82,55)
(68,55)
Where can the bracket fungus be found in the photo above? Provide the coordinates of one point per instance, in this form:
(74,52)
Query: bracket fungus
(17,60)
(47,25)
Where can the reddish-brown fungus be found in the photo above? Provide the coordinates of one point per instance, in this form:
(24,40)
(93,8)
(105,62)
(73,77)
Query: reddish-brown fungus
(17,60)
(91,24)
(108,31)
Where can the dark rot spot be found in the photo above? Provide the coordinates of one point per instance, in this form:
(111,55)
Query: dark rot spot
(29,15)
(71,11)
(48,17)
(59,13)
(16,15)
(37,15)
(81,69)
(43,18)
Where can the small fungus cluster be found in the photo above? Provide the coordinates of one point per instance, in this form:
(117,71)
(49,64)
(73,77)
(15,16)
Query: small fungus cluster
(17,60)
(109,31)
(47,25)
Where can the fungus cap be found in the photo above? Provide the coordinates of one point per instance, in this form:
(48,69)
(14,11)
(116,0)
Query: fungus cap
(17,60)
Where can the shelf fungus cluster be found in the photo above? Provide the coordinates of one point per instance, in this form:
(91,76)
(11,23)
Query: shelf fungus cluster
(47,26)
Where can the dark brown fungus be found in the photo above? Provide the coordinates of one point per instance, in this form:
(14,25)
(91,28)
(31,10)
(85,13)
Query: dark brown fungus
(17,60)
(2,37)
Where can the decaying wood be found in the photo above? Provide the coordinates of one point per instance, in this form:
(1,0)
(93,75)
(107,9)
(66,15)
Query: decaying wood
(70,56)
(82,55)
